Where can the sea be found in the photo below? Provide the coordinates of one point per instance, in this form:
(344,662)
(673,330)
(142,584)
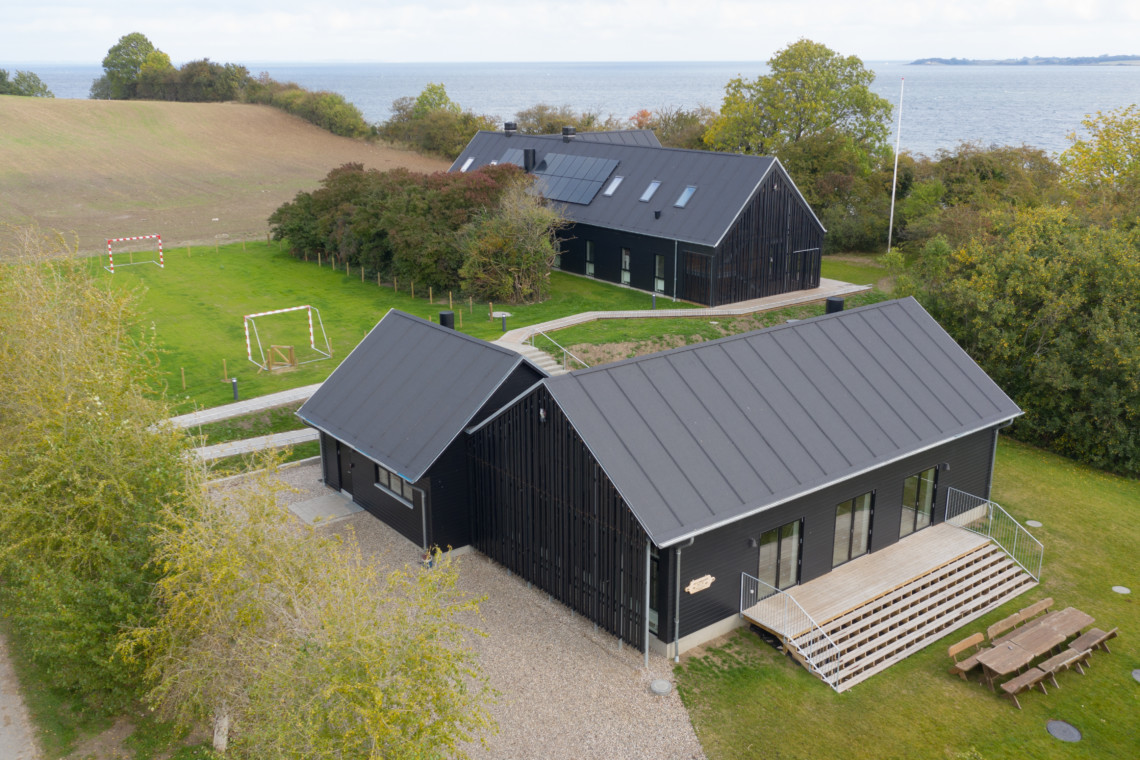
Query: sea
(942,106)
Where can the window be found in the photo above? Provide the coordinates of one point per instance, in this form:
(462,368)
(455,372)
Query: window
(654,587)
(613,186)
(467,164)
(659,273)
(852,528)
(624,266)
(779,564)
(589,258)
(686,194)
(918,501)
(649,191)
(393,485)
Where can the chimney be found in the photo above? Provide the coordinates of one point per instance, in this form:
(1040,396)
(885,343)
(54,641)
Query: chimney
(510,127)
(447,319)
(568,134)
(834,304)
(529,160)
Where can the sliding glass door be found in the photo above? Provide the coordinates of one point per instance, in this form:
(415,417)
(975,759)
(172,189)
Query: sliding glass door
(852,529)
(780,556)
(918,501)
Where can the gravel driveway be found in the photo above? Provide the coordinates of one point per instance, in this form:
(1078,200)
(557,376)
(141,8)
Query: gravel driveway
(565,691)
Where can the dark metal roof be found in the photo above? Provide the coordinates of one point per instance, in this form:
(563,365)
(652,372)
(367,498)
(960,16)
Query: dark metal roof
(704,435)
(724,183)
(407,390)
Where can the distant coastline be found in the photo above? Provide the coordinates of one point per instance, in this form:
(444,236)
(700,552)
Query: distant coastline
(1100,60)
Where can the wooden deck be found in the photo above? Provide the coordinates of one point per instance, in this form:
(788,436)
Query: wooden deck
(862,580)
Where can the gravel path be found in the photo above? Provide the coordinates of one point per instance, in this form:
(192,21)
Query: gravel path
(17,740)
(565,691)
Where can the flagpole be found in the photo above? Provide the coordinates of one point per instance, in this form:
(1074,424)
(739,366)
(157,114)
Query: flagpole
(895,179)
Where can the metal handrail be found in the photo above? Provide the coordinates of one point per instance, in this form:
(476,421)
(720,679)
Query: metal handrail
(565,351)
(790,621)
(987,518)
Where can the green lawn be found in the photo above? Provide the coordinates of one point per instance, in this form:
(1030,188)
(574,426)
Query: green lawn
(195,307)
(747,701)
(860,269)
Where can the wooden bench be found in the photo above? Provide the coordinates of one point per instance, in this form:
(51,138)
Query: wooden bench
(962,667)
(1001,626)
(1092,639)
(1036,609)
(1024,682)
(1070,658)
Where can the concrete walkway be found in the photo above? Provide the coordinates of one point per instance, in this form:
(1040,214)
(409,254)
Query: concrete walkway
(238,408)
(250,445)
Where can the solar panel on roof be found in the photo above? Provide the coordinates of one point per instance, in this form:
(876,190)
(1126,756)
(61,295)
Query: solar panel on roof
(512,156)
(572,179)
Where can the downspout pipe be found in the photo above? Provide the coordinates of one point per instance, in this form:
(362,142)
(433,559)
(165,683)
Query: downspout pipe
(645,609)
(677,602)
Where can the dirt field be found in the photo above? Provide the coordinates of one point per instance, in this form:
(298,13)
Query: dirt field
(192,172)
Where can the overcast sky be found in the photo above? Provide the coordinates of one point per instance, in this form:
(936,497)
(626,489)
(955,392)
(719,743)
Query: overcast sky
(242,31)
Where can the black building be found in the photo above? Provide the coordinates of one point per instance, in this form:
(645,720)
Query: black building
(643,494)
(392,417)
(712,228)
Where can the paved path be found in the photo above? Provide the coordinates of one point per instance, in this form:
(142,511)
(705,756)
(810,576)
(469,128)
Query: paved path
(250,445)
(238,408)
(826,289)
(17,740)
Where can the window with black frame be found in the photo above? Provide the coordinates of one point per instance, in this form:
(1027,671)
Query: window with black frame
(852,528)
(394,485)
(918,501)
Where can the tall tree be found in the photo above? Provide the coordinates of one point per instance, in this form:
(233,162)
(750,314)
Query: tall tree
(123,64)
(1105,165)
(811,90)
(24,83)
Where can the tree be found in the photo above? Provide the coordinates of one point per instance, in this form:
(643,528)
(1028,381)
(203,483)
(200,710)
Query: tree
(302,645)
(123,64)
(508,251)
(433,123)
(84,470)
(811,90)
(1046,304)
(1105,165)
(24,83)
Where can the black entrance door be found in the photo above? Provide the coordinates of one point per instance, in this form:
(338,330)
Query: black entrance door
(344,456)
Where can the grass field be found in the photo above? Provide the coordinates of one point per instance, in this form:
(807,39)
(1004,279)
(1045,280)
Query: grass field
(747,701)
(196,304)
(192,172)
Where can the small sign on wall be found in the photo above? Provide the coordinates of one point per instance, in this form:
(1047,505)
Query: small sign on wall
(699,584)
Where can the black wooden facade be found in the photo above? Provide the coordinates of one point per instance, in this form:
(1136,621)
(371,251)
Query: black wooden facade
(543,508)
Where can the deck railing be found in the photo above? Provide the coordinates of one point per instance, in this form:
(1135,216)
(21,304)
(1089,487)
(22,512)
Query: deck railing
(566,355)
(988,519)
(784,616)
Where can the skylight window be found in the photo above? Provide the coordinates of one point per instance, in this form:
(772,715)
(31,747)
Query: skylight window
(649,191)
(613,186)
(467,164)
(686,194)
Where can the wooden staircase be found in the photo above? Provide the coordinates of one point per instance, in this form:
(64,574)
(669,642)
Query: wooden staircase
(896,623)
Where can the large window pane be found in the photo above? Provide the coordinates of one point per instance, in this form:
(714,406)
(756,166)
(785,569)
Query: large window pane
(789,554)
(769,557)
(842,547)
(861,526)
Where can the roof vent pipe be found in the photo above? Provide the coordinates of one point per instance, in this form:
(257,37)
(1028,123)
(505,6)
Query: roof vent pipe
(657,214)
(834,304)
(447,319)
(528,160)
(510,127)
(568,134)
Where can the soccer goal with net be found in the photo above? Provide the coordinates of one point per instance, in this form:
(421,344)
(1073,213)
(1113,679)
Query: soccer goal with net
(283,335)
(143,257)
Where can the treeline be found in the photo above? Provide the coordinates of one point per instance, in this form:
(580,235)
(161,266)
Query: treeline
(126,577)
(480,232)
(25,83)
(134,69)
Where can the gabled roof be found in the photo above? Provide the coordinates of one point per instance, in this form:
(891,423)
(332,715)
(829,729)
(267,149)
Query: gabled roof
(407,390)
(702,436)
(724,182)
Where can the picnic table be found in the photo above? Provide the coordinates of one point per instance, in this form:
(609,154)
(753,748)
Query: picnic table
(1032,640)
